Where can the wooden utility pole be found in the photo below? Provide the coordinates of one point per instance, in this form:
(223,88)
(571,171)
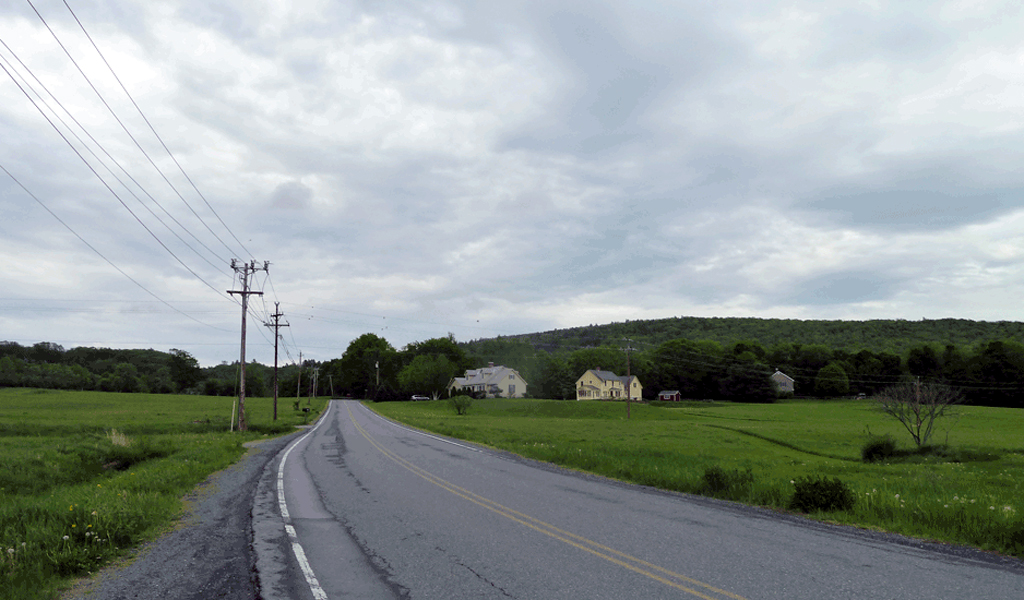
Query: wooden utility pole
(276,325)
(316,383)
(629,396)
(298,385)
(246,271)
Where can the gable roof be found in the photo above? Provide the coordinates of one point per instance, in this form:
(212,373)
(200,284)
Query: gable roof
(778,372)
(609,376)
(486,375)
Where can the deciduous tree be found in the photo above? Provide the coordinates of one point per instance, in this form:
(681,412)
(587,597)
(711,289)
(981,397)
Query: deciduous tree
(917,405)
(831,381)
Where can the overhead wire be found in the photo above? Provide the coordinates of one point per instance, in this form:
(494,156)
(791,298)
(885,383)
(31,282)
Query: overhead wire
(107,185)
(24,85)
(99,160)
(121,123)
(101,255)
(27,86)
(160,139)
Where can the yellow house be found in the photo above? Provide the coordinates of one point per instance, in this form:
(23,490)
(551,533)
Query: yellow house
(596,384)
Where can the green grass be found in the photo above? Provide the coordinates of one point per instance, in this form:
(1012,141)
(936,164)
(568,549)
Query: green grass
(969,490)
(84,476)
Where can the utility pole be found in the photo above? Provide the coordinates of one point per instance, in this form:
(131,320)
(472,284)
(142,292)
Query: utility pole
(276,325)
(629,395)
(298,385)
(246,270)
(316,383)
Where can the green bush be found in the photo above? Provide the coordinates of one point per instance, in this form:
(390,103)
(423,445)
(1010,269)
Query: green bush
(821,494)
(878,449)
(724,483)
(1015,539)
(460,404)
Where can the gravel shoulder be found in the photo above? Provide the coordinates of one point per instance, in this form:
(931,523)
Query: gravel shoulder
(207,554)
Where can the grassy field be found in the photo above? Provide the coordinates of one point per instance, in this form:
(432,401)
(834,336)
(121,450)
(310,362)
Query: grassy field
(86,475)
(969,490)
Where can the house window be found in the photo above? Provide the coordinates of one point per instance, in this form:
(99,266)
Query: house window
(511,390)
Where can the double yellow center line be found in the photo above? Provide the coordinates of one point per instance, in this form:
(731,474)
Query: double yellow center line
(659,574)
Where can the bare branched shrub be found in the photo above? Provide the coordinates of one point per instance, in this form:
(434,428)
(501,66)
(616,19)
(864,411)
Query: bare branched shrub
(918,405)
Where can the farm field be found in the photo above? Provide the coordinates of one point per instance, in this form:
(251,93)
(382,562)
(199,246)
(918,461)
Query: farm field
(84,476)
(969,490)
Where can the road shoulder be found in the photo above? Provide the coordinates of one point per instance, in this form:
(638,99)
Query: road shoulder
(206,554)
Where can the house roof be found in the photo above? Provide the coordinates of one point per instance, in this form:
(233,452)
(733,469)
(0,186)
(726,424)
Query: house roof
(668,392)
(486,376)
(777,372)
(609,376)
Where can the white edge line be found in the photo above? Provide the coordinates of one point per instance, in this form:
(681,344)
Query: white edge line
(423,433)
(300,554)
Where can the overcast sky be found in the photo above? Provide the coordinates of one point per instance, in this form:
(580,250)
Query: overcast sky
(412,169)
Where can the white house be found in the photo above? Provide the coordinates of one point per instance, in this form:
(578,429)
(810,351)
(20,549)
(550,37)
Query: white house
(492,381)
(783,383)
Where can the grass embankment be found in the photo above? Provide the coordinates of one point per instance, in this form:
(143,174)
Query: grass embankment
(86,475)
(971,491)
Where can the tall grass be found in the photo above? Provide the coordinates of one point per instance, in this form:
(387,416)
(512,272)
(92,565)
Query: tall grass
(968,491)
(86,475)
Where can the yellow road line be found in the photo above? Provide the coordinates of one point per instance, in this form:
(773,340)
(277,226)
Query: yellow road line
(610,554)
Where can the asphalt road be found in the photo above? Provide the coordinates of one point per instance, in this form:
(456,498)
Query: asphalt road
(377,510)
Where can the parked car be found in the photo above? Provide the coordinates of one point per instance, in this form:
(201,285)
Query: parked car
(418,397)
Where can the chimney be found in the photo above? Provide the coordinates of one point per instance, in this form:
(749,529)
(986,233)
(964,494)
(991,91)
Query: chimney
(490,364)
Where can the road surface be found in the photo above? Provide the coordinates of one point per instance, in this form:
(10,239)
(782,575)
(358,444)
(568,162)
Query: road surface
(373,509)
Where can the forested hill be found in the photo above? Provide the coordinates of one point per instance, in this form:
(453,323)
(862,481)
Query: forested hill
(896,336)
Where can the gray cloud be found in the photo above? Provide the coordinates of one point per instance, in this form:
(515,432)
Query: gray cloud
(843,288)
(417,168)
(291,195)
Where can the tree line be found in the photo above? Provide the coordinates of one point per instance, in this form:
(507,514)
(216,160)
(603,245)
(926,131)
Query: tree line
(986,371)
(894,336)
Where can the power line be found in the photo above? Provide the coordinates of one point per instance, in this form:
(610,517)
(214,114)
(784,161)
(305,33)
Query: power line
(109,156)
(101,255)
(160,139)
(121,123)
(105,184)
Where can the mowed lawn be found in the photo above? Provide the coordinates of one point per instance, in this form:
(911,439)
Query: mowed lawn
(971,491)
(86,475)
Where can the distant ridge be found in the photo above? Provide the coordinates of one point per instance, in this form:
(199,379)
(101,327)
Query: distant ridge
(881,335)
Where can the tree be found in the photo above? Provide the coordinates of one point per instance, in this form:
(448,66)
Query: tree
(918,405)
(693,368)
(556,380)
(445,346)
(124,378)
(47,352)
(923,362)
(255,382)
(749,382)
(999,369)
(831,381)
(185,371)
(10,371)
(605,358)
(365,358)
(428,373)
